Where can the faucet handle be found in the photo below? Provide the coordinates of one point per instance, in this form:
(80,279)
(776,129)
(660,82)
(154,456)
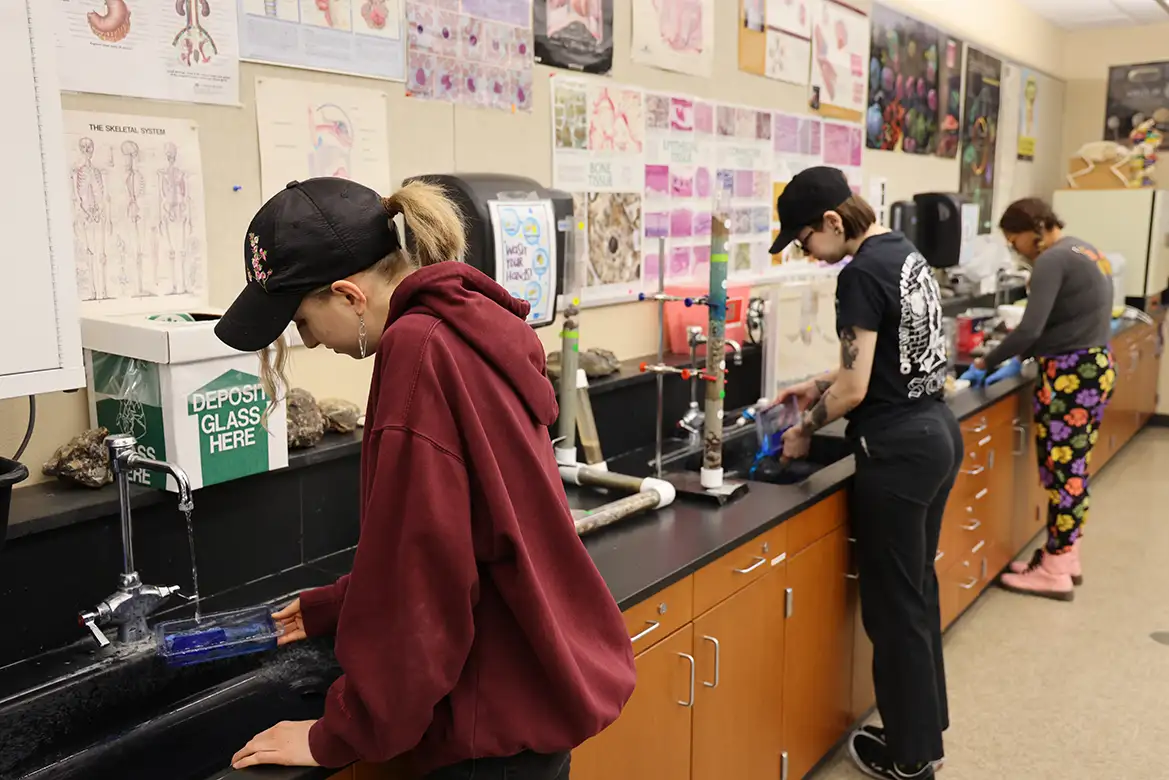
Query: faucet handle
(89,620)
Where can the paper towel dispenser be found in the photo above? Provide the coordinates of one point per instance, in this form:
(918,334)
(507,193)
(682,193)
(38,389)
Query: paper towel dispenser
(939,227)
(516,234)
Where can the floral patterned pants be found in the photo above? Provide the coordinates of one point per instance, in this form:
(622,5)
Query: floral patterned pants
(1070,397)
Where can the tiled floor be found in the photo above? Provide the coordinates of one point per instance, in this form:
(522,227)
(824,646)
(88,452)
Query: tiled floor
(1079,691)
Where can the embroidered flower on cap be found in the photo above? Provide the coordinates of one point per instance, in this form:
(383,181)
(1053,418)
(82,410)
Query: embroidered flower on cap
(257,273)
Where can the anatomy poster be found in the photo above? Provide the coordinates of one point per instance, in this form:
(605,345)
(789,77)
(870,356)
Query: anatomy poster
(574,34)
(902,114)
(139,230)
(679,185)
(773,39)
(1028,111)
(186,50)
(950,97)
(675,35)
(743,148)
(980,132)
(470,52)
(309,130)
(840,60)
(362,37)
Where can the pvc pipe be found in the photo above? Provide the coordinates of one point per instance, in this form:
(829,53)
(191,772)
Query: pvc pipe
(577,474)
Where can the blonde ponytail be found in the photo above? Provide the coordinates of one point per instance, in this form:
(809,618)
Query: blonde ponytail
(433,222)
(274,373)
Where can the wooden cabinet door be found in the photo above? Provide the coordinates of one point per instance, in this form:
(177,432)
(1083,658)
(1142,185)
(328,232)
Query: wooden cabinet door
(1002,466)
(738,716)
(818,655)
(1027,520)
(652,736)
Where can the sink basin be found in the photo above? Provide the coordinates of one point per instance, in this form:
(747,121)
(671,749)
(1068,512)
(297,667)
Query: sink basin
(132,718)
(741,445)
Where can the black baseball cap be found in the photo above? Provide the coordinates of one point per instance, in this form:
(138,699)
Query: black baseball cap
(804,201)
(308,235)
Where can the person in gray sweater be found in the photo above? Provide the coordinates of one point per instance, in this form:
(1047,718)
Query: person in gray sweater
(1066,327)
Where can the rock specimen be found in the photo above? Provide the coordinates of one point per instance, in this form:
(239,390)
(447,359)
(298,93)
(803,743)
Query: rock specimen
(595,361)
(306,424)
(341,416)
(83,459)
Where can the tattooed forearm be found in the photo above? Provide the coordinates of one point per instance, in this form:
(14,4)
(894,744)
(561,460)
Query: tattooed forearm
(848,348)
(822,386)
(829,408)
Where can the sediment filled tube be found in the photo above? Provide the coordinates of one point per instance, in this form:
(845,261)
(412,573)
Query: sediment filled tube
(570,346)
(591,477)
(617,510)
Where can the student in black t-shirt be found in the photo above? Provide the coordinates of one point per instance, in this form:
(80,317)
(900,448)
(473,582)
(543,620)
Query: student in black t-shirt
(908,449)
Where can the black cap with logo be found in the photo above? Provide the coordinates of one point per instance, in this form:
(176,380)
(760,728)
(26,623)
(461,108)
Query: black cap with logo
(309,235)
(804,201)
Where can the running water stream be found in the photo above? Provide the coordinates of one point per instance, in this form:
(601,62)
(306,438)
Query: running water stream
(187,510)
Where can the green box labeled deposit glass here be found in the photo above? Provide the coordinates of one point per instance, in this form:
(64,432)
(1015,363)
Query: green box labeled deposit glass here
(187,398)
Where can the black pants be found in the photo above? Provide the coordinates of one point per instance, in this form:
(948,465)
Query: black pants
(525,766)
(904,473)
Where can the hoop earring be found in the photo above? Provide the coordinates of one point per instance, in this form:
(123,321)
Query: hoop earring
(361,335)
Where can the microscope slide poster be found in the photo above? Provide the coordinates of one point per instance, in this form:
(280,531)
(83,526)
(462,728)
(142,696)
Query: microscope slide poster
(139,226)
(525,254)
(472,52)
(187,50)
(361,37)
(574,34)
(675,35)
(308,130)
(980,132)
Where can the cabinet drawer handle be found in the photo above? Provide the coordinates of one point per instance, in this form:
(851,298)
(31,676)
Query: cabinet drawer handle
(653,626)
(974,472)
(969,585)
(982,426)
(977,547)
(717,661)
(973,525)
(852,576)
(1022,448)
(939,556)
(758,562)
(985,440)
(690,658)
(981,494)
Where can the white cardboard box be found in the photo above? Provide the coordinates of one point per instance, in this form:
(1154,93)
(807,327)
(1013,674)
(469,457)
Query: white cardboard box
(184,395)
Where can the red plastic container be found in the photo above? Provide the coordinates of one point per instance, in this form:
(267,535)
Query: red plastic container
(679,317)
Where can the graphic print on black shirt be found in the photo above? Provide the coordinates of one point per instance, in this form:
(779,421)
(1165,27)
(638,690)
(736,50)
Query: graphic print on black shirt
(889,289)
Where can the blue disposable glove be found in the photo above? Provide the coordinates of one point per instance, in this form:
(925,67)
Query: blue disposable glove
(1012,367)
(976,376)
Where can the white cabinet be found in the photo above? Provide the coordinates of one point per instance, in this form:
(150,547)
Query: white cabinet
(40,344)
(1131,223)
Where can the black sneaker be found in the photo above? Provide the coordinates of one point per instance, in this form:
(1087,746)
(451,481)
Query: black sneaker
(871,755)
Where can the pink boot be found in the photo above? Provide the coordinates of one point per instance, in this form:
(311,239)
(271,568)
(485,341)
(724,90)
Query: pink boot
(1077,571)
(1050,578)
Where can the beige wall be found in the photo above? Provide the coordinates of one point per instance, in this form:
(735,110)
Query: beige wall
(1087,56)
(435,137)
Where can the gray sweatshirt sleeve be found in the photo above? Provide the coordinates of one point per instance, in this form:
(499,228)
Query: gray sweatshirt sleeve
(1046,281)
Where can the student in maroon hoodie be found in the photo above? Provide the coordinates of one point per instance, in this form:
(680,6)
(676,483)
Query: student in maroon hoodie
(474,632)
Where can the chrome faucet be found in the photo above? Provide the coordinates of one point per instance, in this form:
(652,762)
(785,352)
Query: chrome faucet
(133,601)
(693,421)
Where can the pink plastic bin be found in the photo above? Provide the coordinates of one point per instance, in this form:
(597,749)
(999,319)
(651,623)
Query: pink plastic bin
(679,317)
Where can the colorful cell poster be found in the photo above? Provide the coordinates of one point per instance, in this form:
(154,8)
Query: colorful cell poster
(744,159)
(599,154)
(903,84)
(950,97)
(843,149)
(362,37)
(840,60)
(182,51)
(471,52)
(679,185)
(980,132)
(574,34)
(308,129)
(525,254)
(765,49)
(675,35)
(1028,110)
(1137,93)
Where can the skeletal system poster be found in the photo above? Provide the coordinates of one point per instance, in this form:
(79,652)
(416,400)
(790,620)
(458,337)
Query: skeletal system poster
(574,34)
(139,228)
(186,50)
(471,52)
(309,130)
(362,37)
(674,35)
(980,132)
